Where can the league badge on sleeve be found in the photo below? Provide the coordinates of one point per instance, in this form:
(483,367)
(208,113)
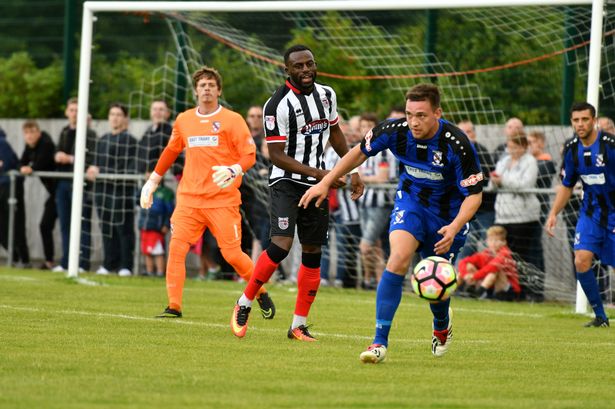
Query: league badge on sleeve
(270,122)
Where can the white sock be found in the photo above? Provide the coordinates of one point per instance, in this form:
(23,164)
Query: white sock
(244,301)
(298,320)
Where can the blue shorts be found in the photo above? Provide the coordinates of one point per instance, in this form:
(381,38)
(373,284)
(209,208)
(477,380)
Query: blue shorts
(412,217)
(590,236)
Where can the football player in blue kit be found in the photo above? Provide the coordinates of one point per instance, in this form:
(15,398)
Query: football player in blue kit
(440,189)
(589,156)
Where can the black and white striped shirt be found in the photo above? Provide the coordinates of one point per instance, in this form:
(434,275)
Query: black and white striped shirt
(303,122)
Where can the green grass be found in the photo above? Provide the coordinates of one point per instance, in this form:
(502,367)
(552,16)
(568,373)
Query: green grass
(68,345)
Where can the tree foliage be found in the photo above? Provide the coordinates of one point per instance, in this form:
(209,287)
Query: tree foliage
(29,87)
(26,91)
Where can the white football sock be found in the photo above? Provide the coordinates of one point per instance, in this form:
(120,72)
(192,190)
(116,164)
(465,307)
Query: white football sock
(244,301)
(298,320)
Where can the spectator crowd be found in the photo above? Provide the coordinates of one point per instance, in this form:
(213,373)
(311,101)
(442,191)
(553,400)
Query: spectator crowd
(504,240)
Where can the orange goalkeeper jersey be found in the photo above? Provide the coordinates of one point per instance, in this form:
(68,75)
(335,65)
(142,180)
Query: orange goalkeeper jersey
(219,138)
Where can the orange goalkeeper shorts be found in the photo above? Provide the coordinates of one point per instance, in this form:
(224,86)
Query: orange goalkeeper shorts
(188,224)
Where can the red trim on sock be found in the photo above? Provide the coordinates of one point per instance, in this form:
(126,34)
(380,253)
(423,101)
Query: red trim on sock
(263,270)
(308,281)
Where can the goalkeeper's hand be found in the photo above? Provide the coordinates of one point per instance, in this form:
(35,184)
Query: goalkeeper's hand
(148,190)
(225,175)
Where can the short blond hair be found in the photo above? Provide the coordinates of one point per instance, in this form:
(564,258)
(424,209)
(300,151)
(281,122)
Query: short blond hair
(498,231)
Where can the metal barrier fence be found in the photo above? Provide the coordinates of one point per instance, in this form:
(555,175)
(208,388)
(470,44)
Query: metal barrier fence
(559,260)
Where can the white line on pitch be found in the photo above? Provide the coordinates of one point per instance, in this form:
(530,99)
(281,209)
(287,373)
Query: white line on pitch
(17,278)
(212,325)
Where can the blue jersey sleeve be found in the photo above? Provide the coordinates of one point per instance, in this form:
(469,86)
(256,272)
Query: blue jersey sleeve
(569,174)
(375,141)
(467,169)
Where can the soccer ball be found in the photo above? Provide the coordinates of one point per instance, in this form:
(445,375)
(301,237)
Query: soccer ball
(434,279)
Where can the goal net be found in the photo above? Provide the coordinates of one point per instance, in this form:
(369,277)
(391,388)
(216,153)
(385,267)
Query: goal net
(491,64)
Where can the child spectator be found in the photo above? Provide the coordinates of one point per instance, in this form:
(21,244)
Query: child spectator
(493,271)
(154,224)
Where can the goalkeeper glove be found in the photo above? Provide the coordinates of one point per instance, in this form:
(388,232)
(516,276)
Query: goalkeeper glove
(148,190)
(225,175)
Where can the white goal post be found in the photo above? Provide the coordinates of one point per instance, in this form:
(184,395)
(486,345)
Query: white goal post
(90,8)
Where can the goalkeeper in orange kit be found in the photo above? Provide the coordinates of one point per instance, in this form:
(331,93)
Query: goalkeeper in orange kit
(219,149)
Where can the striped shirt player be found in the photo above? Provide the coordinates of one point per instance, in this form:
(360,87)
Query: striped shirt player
(439,191)
(594,166)
(299,119)
(435,177)
(589,157)
(303,122)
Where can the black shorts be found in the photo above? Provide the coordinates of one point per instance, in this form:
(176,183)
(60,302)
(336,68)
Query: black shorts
(312,223)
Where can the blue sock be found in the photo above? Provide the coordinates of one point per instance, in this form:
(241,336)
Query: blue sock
(388,297)
(440,314)
(590,288)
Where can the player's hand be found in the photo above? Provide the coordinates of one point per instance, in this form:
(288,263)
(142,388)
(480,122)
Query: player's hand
(319,192)
(25,170)
(147,192)
(550,225)
(338,183)
(443,246)
(92,173)
(225,175)
(357,186)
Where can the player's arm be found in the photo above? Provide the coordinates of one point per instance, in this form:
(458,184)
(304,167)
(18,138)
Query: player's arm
(285,162)
(354,158)
(167,158)
(469,206)
(470,183)
(569,178)
(225,175)
(562,197)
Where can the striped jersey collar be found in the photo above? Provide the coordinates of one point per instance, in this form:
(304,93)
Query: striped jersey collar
(297,90)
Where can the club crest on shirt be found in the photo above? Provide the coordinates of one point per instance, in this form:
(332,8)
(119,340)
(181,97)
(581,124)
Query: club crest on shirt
(270,122)
(599,160)
(215,126)
(399,217)
(325,102)
(283,223)
(437,158)
(577,238)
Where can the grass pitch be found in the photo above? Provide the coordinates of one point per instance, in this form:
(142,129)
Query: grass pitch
(72,345)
